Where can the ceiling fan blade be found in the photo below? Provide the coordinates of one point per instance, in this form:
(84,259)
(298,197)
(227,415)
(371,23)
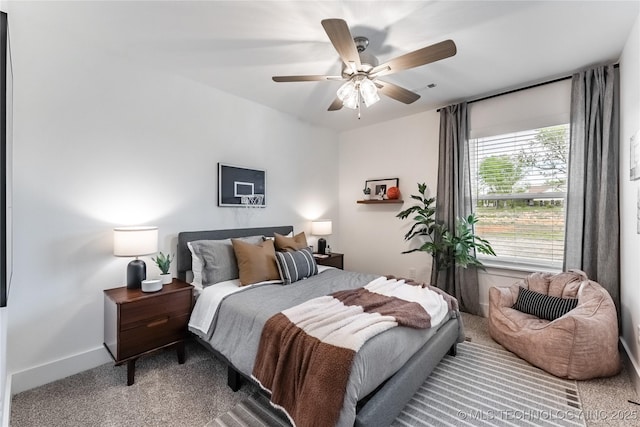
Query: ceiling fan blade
(342,41)
(335,105)
(419,57)
(396,92)
(310,78)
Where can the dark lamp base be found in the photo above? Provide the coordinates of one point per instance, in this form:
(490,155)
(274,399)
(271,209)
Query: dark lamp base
(136,273)
(322,246)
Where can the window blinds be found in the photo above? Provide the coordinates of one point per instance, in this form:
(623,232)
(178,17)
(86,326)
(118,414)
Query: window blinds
(519,187)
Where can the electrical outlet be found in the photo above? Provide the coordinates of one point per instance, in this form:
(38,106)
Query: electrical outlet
(412,273)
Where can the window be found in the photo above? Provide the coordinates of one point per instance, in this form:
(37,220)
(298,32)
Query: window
(519,183)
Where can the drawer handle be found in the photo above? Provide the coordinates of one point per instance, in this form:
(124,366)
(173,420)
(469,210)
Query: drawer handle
(158,322)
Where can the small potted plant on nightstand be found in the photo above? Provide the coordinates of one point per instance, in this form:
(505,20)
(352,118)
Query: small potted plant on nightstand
(367,193)
(164,263)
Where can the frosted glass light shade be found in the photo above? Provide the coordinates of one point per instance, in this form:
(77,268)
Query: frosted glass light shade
(346,90)
(321,227)
(369,92)
(135,241)
(349,95)
(352,100)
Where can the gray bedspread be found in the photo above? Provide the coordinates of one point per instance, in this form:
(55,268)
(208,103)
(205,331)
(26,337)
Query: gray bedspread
(239,321)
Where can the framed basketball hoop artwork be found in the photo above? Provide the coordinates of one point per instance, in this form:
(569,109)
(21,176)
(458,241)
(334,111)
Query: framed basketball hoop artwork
(240,186)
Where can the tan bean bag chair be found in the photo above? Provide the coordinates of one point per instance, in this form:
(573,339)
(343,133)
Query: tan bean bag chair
(579,345)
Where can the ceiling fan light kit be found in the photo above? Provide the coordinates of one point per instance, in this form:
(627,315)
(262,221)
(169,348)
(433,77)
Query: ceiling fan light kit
(362,71)
(357,87)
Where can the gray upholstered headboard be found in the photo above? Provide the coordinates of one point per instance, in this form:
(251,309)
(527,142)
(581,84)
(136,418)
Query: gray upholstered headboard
(184,255)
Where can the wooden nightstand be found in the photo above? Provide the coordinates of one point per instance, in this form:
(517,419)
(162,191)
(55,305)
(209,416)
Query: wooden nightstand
(137,323)
(333,259)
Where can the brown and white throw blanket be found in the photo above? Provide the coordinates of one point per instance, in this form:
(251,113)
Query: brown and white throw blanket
(305,353)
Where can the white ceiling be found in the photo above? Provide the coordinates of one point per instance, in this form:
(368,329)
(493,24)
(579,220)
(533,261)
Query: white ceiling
(237,46)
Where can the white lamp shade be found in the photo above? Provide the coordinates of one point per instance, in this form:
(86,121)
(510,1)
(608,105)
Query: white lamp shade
(321,227)
(135,241)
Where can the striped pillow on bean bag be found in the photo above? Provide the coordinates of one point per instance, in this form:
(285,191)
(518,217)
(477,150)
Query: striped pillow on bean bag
(543,306)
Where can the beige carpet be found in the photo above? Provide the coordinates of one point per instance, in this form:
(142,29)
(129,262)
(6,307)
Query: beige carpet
(164,394)
(194,394)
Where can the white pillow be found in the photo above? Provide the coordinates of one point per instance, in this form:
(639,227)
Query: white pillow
(196,267)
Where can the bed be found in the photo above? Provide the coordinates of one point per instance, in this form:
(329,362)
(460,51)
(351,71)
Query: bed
(376,393)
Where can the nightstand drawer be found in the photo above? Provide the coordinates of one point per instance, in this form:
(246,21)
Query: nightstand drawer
(155,333)
(142,312)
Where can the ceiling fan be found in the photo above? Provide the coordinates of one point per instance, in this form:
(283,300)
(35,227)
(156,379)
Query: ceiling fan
(362,71)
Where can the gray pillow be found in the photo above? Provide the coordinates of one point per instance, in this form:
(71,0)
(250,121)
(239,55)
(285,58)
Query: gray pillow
(218,259)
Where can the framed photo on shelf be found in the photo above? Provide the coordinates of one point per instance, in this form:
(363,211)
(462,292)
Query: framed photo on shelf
(241,187)
(379,187)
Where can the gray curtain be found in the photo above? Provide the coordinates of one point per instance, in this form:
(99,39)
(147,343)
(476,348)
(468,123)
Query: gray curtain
(453,200)
(592,240)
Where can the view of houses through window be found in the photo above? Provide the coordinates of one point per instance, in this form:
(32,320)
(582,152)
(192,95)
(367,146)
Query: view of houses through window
(519,183)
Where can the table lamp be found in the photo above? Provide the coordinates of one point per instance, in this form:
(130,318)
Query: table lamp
(321,227)
(135,242)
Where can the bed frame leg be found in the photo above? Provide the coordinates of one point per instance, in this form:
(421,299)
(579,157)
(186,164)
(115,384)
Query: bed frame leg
(453,350)
(234,379)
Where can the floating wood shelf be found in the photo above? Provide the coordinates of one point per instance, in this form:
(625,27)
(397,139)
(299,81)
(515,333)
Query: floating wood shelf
(375,201)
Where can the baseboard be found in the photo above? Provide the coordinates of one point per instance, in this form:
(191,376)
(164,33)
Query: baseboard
(484,310)
(58,369)
(633,368)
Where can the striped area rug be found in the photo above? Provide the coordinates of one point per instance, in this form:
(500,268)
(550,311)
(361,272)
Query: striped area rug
(255,411)
(489,386)
(481,386)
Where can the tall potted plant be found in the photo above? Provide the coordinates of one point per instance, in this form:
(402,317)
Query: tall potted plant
(448,248)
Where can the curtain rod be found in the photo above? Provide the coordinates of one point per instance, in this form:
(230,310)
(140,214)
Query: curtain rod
(559,79)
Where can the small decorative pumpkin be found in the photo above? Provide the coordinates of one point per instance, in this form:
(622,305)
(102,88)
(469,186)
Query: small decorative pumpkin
(393,193)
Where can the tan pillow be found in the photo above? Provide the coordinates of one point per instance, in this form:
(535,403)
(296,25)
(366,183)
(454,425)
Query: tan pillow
(256,263)
(295,243)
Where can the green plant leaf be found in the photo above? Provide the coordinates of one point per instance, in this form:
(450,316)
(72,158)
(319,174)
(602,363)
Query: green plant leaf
(163,262)
(448,247)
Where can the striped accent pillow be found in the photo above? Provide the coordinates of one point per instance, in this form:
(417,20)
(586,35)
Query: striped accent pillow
(543,306)
(296,265)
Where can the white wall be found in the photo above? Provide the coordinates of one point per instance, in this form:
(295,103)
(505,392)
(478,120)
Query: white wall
(630,201)
(371,235)
(100,141)
(5,387)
